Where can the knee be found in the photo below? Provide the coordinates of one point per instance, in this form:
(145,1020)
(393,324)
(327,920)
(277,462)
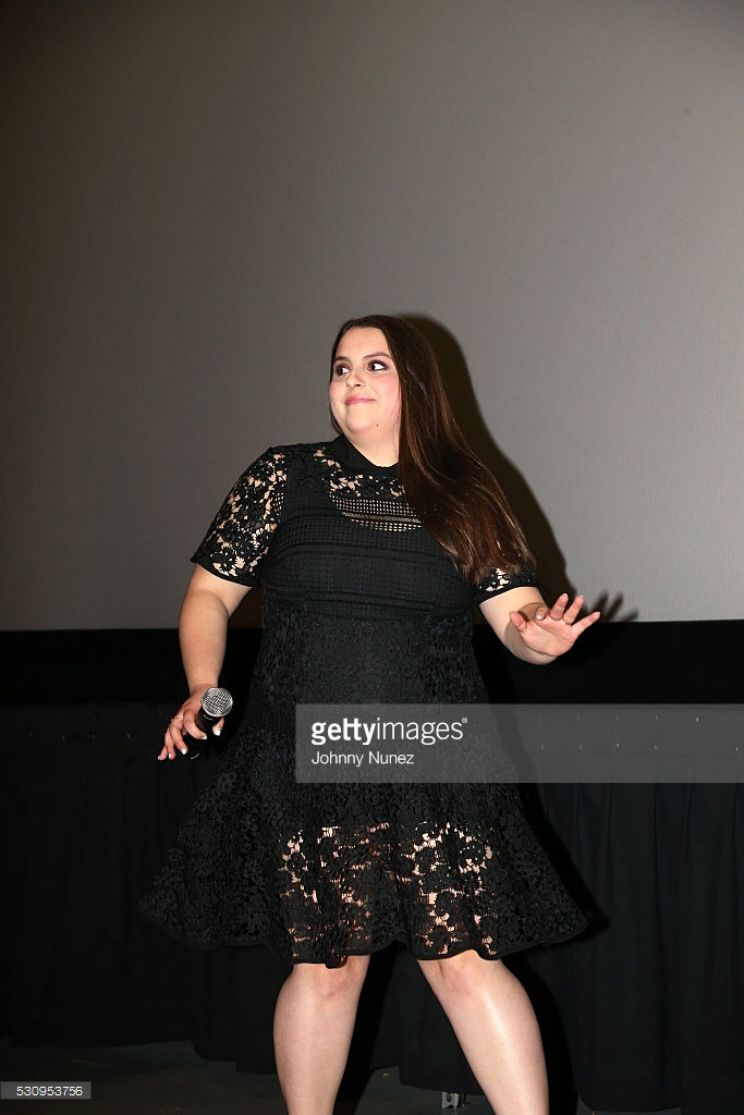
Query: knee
(332,983)
(460,974)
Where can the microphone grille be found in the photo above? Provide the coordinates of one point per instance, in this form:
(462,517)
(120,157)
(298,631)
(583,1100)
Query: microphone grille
(217,703)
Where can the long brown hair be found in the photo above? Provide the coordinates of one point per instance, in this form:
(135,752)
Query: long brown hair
(454,494)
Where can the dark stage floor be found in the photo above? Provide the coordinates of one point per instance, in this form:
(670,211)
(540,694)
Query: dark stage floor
(171,1079)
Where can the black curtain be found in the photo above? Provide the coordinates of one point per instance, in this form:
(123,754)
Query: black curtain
(644,1011)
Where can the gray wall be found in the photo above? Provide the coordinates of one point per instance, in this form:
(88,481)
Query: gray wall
(198,194)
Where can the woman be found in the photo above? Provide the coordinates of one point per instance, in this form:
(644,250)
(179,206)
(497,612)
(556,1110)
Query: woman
(372,548)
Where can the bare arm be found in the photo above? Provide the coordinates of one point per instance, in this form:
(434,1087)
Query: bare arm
(497,612)
(207,606)
(532,630)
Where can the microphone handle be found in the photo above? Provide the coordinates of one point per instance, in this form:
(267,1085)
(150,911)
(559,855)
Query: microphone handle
(194,744)
(204,722)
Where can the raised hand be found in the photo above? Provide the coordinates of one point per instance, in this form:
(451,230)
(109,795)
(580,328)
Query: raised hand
(552,630)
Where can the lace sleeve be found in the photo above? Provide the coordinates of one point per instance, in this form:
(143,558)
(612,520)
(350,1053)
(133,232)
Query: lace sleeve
(240,533)
(499,581)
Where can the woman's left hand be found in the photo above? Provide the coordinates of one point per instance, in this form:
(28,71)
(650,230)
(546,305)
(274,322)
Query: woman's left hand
(552,630)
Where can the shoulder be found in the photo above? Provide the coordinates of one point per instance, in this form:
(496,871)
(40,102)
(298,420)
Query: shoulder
(292,454)
(274,466)
(277,455)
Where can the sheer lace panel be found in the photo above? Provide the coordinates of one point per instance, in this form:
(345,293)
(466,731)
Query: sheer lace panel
(441,886)
(373,499)
(378,513)
(439,866)
(240,533)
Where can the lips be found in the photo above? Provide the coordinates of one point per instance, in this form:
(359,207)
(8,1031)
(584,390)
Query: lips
(358,399)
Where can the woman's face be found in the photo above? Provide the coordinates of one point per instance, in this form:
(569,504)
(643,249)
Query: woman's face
(364,391)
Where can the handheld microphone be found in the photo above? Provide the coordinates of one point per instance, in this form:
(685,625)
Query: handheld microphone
(215,704)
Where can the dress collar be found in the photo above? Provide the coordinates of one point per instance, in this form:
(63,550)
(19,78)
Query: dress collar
(350,455)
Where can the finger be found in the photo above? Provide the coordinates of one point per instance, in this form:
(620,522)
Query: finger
(168,750)
(556,612)
(190,726)
(578,628)
(173,734)
(174,739)
(217,729)
(587,621)
(571,612)
(518,620)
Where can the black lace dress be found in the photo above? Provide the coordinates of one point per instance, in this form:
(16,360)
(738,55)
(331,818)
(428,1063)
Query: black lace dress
(361,604)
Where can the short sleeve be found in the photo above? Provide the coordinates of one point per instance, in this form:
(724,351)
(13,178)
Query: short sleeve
(500,581)
(239,536)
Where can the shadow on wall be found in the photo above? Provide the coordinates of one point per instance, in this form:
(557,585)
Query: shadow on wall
(551,562)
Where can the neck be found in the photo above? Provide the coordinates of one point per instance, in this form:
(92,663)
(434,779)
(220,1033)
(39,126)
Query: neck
(382,451)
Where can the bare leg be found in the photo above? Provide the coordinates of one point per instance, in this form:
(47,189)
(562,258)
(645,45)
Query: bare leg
(313,1026)
(496,1027)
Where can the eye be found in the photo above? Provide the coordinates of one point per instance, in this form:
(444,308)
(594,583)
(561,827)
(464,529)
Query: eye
(374,366)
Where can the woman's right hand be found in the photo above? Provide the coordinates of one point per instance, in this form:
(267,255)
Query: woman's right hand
(183,721)
(207,606)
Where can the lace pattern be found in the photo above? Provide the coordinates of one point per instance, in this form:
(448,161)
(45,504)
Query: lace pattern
(239,536)
(428,885)
(361,604)
(238,539)
(499,581)
(440,873)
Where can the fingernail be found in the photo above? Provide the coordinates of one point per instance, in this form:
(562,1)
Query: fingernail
(182,750)
(217,731)
(539,615)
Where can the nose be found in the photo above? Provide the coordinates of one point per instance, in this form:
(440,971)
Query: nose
(356,378)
